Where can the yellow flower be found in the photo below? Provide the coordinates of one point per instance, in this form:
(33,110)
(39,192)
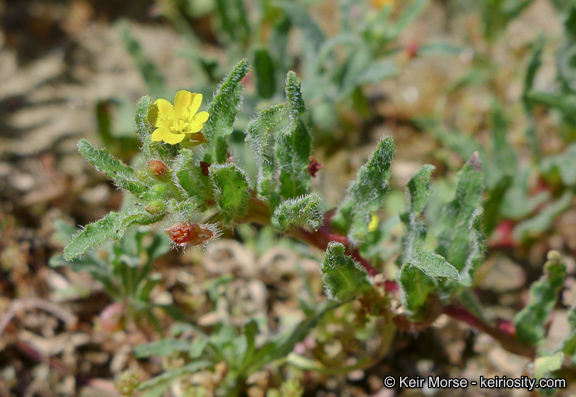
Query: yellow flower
(383,3)
(373,225)
(175,123)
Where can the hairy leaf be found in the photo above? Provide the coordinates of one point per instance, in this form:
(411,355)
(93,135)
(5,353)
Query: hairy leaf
(301,211)
(455,234)
(366,194)
(414,283)
(293,145)
(223,110)
(260,138)
(531,321)
(122,175)
(343,278)
(433,264)
(230,189)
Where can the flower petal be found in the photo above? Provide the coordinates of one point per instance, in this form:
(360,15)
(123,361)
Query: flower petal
(182,102)
(195,105)
(201,117)
(164,107)
(164,134)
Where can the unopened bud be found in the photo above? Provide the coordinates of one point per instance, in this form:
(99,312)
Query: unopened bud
(157,169)
(184,234)
(155,207)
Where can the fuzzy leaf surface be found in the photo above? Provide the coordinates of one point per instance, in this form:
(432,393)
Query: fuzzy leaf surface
(293,145)
(367,193)
(123,176)
(415,284)
(531,320)
(343,278)
(455,234)
(230,189)
(223,110)
(301,211)
(260,138)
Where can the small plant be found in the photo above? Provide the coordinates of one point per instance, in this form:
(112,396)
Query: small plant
(125,270)
(195,185)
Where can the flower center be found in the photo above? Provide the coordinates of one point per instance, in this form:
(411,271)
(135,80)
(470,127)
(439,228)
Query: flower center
(179,126)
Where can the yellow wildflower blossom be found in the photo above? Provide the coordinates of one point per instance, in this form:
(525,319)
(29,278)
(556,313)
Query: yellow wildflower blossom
(175,123)
(383,3)
(373,225)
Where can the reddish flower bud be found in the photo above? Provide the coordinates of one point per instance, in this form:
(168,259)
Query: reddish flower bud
(314,167)
(412,49)
(184,234)
(157,169)
(111,316)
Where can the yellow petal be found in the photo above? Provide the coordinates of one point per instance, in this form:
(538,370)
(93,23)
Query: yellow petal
(182,102)
(164,107)
(196,102)
(201,117)
(195,127)
(164,134)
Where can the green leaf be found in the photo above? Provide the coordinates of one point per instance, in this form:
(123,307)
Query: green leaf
(94,234)
(123,176)
(476,249)
(455,234)
(147,69)
(409,15)
(542,221)
(293,145)
(416,287)
(419,191)
(162,348)
(367,193)
(531,321)
(260,138)
(544,367)
(503,152)
(533,66)
(377,72)
(569,344)
(433,265)
(111,227)
(172,374)
(517,202)
(231,189)
(343,278)
(190,177)
(415,284)
(223,110)
(284,343)
(302,19)
(141,117)
(264,73)
(564,163)
(301,211)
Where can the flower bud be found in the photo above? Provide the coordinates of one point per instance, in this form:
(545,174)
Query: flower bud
(157,169)
(184,234)
(155,207)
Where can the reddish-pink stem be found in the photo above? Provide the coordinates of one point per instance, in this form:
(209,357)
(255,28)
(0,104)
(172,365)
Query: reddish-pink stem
(259,212)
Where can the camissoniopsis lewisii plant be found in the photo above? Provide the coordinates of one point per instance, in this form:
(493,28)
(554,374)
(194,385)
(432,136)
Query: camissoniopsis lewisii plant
(193,184)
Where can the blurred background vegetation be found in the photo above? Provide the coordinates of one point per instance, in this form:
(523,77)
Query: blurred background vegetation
(445,78)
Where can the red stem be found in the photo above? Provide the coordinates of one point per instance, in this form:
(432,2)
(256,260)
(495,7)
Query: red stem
(259,212)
